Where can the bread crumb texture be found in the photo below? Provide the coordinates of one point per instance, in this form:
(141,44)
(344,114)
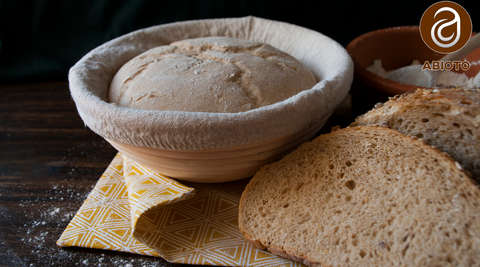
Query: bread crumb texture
(448,119)
(211,74)
(364,196)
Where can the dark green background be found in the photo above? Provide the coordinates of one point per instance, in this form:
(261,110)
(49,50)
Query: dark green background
(40,40)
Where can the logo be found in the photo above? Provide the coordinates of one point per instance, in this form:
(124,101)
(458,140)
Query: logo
(445,27)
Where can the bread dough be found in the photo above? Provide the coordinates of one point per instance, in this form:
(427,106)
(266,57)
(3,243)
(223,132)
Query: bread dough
(211,74)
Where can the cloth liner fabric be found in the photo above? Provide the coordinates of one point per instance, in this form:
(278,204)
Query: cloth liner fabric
(133,209)
(90,78)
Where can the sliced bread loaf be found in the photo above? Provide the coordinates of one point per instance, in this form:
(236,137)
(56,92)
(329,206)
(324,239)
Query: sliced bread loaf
(364,196)
(446,118)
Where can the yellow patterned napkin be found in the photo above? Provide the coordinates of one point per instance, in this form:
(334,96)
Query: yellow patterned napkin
(133,209)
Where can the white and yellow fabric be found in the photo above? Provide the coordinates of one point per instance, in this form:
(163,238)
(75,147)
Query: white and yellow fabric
(133,209)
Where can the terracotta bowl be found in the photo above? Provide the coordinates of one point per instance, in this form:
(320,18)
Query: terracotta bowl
(209,147)
(396,47)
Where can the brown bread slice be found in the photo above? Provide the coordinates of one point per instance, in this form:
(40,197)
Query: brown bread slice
(364,196)
(446,118)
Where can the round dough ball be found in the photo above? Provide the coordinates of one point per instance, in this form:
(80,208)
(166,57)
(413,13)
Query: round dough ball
(211,74)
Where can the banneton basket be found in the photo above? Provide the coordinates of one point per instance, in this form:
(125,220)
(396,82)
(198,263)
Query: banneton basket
(212,147)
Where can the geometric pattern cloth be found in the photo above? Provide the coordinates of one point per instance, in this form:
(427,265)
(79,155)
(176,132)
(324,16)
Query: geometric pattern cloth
(133,209)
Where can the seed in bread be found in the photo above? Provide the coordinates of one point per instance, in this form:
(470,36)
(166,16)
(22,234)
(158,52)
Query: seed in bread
(448,119)
(211,74)
(364,196)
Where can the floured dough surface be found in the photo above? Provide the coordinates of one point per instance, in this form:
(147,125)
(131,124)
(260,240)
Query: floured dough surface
(211,74)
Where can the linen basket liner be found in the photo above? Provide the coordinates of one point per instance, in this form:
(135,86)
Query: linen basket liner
(90,78)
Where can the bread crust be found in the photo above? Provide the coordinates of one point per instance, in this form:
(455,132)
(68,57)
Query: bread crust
(248,211)
(447,118)
(282,253)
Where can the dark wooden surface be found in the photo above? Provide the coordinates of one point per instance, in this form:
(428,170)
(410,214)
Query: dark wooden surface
(49,163)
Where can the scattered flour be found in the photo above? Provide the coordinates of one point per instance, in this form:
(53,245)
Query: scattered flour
(44,222)
(447,78)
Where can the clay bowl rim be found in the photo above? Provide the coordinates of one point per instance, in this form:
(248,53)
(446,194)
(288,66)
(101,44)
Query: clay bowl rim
(375,81)
(371,79)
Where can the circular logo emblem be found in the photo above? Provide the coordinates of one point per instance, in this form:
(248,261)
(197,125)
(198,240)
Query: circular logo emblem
(445,27)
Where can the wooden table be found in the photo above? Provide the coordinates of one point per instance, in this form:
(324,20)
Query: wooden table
(49,163)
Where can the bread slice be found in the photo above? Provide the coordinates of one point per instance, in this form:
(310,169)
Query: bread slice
(446,118)
(364,196)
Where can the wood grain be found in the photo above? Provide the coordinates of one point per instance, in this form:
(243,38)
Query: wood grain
(49,163)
